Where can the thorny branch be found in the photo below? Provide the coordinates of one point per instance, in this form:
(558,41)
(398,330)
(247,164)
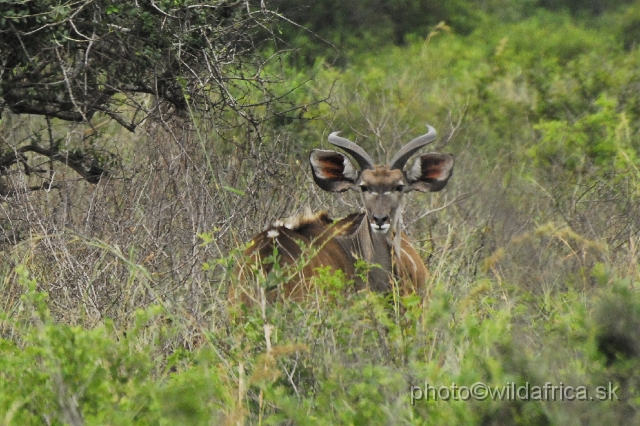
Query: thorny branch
(136,62)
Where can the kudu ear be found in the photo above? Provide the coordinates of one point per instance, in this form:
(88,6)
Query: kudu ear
(332,171)
(430,172)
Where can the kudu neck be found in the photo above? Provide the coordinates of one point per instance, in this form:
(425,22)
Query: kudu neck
(375,249)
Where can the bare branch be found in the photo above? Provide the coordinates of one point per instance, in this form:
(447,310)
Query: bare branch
(92,174)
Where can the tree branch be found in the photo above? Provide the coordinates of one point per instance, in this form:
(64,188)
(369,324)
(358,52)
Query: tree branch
(75,161)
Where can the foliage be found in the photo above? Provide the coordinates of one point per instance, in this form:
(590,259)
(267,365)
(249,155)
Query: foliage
(344,360)
(76,59)
(590,6)
(338,30)
(132,62)
(595,140)
(114,306)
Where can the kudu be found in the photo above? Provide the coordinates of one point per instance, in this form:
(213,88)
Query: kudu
(374,235)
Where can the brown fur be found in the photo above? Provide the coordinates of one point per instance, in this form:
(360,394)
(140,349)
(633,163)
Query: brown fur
(312,241)
(381,176)
(315,236)
(413,273)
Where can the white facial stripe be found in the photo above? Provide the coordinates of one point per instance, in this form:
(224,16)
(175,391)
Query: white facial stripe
(364,185)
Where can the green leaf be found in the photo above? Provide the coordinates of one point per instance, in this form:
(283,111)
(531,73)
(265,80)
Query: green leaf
(234,190)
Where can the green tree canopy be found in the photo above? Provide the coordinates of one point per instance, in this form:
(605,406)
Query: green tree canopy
(73,59)
(133,61)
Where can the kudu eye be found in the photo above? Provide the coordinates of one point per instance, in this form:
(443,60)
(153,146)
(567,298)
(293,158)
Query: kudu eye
(400,188)
(364,188)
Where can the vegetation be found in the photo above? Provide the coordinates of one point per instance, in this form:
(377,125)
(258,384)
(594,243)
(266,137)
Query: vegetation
(78,60)
(114,309)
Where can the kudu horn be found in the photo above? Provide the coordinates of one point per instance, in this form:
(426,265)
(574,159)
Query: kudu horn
(409,149)
(358,154)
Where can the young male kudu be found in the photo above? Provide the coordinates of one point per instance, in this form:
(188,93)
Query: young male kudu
(308,242)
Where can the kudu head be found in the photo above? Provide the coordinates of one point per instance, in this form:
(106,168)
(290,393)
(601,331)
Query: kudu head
(382,187)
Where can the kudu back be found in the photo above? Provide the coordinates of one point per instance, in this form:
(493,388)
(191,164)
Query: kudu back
(308,242)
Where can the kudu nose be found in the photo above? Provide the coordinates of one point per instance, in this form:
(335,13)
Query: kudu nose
(380,219)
